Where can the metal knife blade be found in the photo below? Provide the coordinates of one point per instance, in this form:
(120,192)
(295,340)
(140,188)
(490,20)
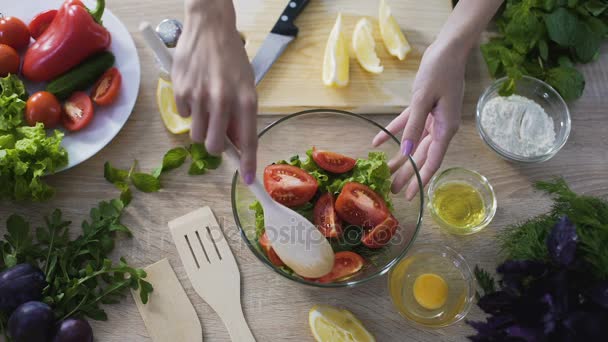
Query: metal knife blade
(283,33)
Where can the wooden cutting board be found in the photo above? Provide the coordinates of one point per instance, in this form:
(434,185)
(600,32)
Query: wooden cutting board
(294,82)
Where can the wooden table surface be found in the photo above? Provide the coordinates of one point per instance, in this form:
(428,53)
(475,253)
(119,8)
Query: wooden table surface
(275,308)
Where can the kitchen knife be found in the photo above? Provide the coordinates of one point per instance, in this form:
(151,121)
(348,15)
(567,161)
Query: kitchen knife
(283,33)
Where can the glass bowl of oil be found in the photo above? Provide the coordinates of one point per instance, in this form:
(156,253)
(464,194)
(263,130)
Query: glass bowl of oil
(432,286)
(461,201)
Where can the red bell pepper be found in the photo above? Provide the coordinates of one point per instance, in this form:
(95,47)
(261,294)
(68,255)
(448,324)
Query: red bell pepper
(74,35)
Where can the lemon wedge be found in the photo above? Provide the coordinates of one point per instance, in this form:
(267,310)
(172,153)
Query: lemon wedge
(335,61)
(394,40)
(168,111)
(365,47)
(329,324)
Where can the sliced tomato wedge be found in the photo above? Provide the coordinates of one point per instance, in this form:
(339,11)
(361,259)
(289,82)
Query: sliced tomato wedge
(41,22)
(107,88)
(333,162)
(77,111)
(345,265)
(381,234)
(270,253)
(359,205)
(289,185)
(325,217)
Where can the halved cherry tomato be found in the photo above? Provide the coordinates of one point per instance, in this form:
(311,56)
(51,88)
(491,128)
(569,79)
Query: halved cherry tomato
(78,111)
(9,60)
(14,33)
(333,162)
(381,234)
(270,253)
(325,217)
(41,22)
(106,90)
(43,107)
(359,205)
(289,185)
(345,265)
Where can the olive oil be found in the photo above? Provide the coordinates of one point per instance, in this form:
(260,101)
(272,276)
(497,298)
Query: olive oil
(459,205)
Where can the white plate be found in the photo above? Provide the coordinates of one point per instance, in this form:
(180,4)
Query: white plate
(108,120)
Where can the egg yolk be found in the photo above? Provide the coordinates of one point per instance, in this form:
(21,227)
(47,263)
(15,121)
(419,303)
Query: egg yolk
(430,291)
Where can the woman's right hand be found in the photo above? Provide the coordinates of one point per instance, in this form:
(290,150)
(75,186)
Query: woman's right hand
(213,81)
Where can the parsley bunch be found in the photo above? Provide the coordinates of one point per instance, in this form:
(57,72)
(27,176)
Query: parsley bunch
(544,39)
(79,273)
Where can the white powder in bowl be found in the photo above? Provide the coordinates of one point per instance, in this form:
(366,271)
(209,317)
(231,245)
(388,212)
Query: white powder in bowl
(518,125)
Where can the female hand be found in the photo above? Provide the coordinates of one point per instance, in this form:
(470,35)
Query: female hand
(213,81)
(433,117)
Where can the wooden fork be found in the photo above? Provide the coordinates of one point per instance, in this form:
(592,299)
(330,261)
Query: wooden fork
(212,269)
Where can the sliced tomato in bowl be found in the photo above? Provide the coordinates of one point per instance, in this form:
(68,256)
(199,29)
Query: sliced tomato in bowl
(41,22)
(325,217)
(346,264)
(333,162)
(78,111)
(270,253)
(381,234)
(289,185)
(106,89)
(358,204)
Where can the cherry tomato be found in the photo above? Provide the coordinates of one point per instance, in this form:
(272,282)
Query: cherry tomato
(14,33)
(106,90)
(359,205)
(270,253)
(77,111)
(381,234)
(289,185)
(325,217)
(43,107)
(41,22)
(345,265)
(9,60)
(333,162)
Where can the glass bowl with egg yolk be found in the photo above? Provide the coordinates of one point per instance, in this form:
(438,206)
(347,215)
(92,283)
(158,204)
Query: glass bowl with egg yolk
(432,286)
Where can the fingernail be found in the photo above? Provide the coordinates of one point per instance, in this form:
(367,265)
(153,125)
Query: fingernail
(249,177)
(407,147)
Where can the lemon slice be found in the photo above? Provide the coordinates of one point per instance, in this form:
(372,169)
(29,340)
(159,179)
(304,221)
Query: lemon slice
(335,61)
(365,47)
(394,40)
(168,111)
(329,324)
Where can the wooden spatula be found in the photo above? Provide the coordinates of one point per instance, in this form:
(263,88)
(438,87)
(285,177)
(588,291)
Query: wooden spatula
(168,315)
(211,267)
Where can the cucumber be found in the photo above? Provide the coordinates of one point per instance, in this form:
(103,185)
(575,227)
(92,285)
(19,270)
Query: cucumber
(82,76)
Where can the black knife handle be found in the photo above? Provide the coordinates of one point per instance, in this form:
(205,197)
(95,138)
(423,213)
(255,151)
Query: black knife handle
(285,25)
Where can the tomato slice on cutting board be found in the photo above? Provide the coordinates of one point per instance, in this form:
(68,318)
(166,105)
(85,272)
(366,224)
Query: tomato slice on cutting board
(41,22)
(289,185)
(106,89)
(381,234)
(270,253)
(325,217)
(359,205)
(345,265)
(332,162)
(77,111)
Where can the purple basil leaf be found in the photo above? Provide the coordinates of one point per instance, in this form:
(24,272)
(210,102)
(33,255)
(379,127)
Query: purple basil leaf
(551,317)
(528,334)
(599,294)
(587,326)
(561,242)
(515,272)
(495,302)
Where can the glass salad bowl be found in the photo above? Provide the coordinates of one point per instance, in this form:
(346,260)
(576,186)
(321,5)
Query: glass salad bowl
(348,134)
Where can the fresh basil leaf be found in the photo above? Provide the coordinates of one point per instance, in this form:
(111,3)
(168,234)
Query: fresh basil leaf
(114,175)
(125,192)
(145,182)
(543,49)
(524,28)
(587,43)
(198,167)
(213,162)
(157,172)
(546,5)
(562,26)
(595,7)
(565,61)
(198,151)
(568,81)
(572,3)
(174,158)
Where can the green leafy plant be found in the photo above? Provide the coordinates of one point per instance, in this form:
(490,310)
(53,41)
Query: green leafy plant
(544,39)
(80,275)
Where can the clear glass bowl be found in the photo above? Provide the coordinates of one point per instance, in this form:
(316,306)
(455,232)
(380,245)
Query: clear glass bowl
(440,260)
(546,97)
(345,133)
(478,182)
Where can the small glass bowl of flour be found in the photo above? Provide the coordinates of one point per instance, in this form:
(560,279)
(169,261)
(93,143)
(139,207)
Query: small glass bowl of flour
(530,126)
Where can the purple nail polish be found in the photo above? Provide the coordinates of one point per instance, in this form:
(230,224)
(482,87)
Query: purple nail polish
(407,147)
(249,177)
